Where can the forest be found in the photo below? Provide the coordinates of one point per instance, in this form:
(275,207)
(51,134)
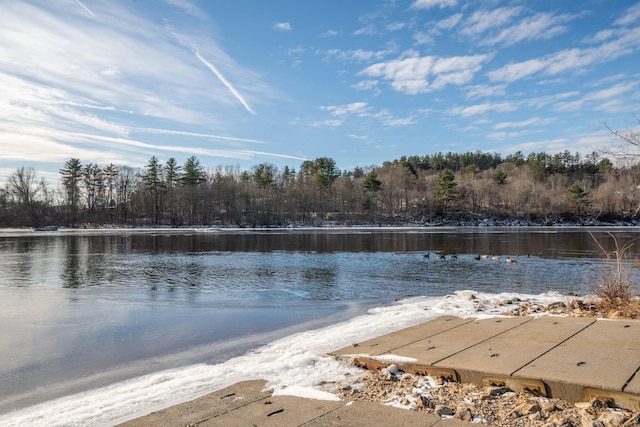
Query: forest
(464,189)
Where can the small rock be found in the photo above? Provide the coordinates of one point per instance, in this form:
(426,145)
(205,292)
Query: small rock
(596,406)
(442,410)
(612,418)
(463,413)
(515,414)
(405,401)
(548,407)
(498,391)
(588,420)
(634,421)
(529,408)
(557,306)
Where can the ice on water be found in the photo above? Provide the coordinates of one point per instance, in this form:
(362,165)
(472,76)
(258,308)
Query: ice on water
(297,364)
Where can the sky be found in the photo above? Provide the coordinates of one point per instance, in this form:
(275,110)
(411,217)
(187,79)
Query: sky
(244,82)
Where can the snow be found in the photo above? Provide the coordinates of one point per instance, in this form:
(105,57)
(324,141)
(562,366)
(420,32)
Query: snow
(306,392)
(297,364)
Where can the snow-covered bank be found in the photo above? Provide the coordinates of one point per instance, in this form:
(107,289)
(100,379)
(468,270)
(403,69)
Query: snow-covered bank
(299,360)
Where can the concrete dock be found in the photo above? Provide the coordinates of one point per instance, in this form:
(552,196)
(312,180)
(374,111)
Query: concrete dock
(569,358)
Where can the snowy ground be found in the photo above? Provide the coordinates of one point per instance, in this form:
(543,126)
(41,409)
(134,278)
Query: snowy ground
(296,364)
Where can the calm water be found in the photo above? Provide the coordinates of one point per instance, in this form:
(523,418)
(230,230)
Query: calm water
(82,310)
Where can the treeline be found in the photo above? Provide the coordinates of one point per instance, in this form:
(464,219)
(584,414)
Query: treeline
(413,190)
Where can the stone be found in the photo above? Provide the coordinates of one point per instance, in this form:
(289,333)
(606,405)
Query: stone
(633,421)
(548,407)
(528,408)
(443,410)
(588,420)
(463,413)
(612,418)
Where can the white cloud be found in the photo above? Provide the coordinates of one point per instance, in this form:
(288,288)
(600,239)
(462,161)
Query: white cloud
(534,121)
(483,20)
(479,91)
(330,33)
(66,73)
(541,26)
(355,55)
(188,7)
(450,22)
(575,59)
(473,110)
(417,74)
(355,108)
(282,26)
(428,4)
(328,123)
(630,15)
(395,26)
(365,85)
(423,38)
(601,99)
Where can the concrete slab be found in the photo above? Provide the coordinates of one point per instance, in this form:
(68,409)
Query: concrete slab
(508,352)
(366,414)
(634,384)
(432,350)
(275,411)
(605,355)
(389,342)
(205,407)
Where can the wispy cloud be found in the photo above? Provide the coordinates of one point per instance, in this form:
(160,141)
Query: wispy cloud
(473,110)
(84,80)
(484,20)
(355,55)
(355,108)
(480,91)
(626,42)
(629,16)
(609,99)
(534,121)
(428,4)
(282,26)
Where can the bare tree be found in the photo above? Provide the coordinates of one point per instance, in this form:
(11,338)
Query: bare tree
(23,188)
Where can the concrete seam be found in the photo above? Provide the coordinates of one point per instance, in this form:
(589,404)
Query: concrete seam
(230,410)
(430,336)
(326,413)
(553,347)
(630,379)
(480,342)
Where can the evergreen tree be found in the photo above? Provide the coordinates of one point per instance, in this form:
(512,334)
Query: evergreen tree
(71,178)
(445,188)
(578,198)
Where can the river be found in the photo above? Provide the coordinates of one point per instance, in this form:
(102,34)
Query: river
(85,308)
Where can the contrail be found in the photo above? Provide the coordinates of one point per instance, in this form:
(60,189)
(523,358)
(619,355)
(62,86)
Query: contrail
(224,81)
(85,7)
(194,134)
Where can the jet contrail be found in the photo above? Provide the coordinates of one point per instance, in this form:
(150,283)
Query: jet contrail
(194,134)
(224,81)
(85,7)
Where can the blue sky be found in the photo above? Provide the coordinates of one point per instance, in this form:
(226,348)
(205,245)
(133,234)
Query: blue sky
(242,82)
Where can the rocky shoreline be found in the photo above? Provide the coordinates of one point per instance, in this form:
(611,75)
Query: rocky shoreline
(497,406)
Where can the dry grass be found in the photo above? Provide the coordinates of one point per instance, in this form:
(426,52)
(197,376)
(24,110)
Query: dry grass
(614,287)
(618,309)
